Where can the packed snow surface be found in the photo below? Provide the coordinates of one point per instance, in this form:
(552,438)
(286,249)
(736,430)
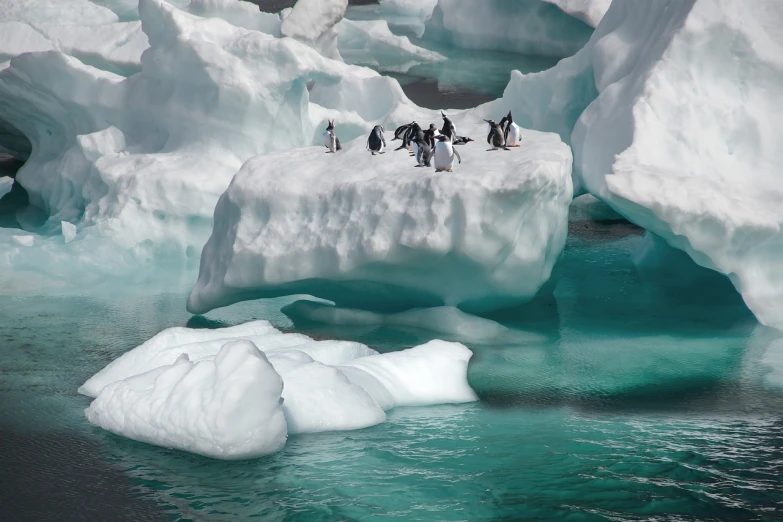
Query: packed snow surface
(237,392)
(522,26)
(377,233)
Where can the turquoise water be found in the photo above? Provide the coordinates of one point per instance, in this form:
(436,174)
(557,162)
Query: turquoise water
(618,395)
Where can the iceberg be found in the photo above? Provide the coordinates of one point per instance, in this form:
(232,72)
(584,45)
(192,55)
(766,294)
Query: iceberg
(408,14)
(679,139)
(238,392)
(226,408)
(522,26)
(375,233)
(666,109)
(138,162)
(371,43)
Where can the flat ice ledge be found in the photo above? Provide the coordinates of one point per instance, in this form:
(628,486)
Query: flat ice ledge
(376,233)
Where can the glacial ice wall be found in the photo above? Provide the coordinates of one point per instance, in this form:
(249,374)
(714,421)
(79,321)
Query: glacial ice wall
(375,232)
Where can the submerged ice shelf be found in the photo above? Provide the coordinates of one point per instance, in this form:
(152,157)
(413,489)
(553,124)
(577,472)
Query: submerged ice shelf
(238,392)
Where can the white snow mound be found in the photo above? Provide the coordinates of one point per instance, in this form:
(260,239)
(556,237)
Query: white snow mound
(226,408)
(376,233)
(184,387)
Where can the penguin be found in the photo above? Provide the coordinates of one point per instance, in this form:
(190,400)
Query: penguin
(405,133)
(444,154)
(331,141)
(461,140)
(399,133)
(448,127)
(421,148)
(512,132)
(376,142)
(495,136)
(430,135)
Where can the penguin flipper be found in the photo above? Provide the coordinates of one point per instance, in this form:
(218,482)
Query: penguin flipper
(459,158)
(337,143)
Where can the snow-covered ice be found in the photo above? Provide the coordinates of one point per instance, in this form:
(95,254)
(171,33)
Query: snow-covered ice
(667,109)
(522,26)
(138,163)
(371,43)
(680,139)
(376,233)
(236,392)
(226,408)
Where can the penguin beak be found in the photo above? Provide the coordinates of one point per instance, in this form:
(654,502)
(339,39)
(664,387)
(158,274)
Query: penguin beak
(487,121)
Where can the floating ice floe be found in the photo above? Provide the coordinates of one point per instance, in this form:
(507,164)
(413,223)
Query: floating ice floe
(377,233)
(534,27)
(238,392)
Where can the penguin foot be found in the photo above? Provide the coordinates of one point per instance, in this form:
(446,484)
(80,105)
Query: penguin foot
(438,170)
(513,145)
(506,148)
(449,170)
(381,153)
(418,166)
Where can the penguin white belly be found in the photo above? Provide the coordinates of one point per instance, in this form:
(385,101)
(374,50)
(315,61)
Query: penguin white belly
(415,149)
(514,135)
(444,155)
(329,141)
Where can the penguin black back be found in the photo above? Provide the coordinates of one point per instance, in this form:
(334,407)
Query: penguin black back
(376,142)
(448,128)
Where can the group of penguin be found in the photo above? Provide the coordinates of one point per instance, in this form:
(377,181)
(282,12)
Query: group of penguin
(433,143)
